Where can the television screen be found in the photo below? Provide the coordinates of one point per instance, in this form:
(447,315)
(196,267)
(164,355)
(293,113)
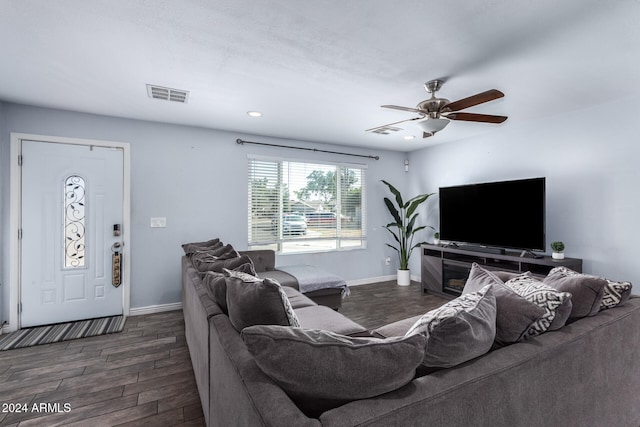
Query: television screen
(506,214)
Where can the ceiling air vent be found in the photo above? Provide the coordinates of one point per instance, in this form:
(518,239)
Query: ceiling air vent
(167,94)
(385,130)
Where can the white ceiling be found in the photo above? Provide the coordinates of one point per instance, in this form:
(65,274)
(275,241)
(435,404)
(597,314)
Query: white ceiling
(318,70)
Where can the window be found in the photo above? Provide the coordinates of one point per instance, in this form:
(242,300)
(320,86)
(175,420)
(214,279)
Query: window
(74,227)
(306,207)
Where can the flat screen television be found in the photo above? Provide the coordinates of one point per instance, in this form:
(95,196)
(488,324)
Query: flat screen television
(505,214)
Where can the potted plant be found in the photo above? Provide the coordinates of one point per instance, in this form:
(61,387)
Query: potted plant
(436,238)
(403,229)
(558,250)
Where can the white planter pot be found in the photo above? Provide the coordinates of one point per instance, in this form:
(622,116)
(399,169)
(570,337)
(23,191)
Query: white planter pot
(404,277)
(557,255)
(436,241)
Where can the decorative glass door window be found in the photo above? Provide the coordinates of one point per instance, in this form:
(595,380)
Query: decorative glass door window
(74,222)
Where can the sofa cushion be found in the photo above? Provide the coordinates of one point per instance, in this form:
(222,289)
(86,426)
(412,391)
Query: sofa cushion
(460,330)
(545,296)
(320,369)
(257,302)
(514,314)
(322,317)
(190,248)
(216,286)
(263,259)
(586,291)
(296,299)
(396,329)
(285,279)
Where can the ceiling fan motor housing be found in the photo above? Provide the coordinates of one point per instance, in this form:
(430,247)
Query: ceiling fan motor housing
(432,107)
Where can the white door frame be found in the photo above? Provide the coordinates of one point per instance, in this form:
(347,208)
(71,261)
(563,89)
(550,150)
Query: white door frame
(15,215)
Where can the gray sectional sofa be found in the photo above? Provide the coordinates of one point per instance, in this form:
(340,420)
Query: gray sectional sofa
(264,261)
(586,373)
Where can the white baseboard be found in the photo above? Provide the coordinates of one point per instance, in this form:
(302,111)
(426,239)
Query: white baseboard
(140,311)
(369,280)
(6,329)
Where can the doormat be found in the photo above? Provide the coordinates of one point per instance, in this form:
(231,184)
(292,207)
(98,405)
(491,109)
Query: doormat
(61,332)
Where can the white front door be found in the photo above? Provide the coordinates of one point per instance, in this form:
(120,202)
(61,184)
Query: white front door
(72,196)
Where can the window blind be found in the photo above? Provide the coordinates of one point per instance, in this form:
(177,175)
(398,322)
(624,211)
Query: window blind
(297,206)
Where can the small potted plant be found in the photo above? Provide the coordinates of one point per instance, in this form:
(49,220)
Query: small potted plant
(436,238)
(558,250)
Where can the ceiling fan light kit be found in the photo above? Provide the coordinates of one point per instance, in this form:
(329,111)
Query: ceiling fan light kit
(432,126)
(434,114)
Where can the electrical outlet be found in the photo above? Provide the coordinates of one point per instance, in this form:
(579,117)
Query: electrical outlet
(387,260)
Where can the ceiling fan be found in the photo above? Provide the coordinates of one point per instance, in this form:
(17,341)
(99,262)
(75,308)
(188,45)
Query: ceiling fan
(434,114)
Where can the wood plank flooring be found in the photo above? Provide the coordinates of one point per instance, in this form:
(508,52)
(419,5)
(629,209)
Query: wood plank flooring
(143,375)
(378,304)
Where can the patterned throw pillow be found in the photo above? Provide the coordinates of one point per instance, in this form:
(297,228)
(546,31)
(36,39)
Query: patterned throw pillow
(614,293)
(460,330)
(255,301)
(545,296)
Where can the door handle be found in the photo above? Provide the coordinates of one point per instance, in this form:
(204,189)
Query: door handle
(116,264)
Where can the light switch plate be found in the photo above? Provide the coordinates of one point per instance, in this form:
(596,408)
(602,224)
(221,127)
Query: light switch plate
(158,222)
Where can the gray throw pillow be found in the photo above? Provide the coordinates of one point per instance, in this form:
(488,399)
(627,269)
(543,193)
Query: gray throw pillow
(320,369)
(203,261)
(190,248)
(216,286)
(257,302)
(514,314)
(543,295)
(586,291)
(460,330)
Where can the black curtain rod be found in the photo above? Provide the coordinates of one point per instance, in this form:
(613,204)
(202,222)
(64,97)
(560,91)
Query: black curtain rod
(241,142)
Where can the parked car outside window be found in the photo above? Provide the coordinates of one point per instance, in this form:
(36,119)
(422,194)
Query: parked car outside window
(294,224)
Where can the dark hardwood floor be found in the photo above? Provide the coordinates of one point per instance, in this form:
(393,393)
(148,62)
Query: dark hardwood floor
(381,303)
(140,376)
(143,375)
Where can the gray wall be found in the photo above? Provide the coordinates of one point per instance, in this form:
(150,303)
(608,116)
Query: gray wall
(197,179)
(590,160)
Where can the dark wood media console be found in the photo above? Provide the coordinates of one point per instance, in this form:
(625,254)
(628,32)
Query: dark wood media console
(446,269)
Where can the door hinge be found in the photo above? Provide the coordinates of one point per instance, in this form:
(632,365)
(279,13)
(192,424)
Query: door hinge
(19,159)
(19,233)
(19,307)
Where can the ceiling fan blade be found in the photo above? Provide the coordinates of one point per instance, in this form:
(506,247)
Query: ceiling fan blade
(473,117)
(476,99)
(394,123)
(398,107)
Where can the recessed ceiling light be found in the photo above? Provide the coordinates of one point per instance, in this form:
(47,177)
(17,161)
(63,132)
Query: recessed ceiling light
(254,113)
(408,137)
